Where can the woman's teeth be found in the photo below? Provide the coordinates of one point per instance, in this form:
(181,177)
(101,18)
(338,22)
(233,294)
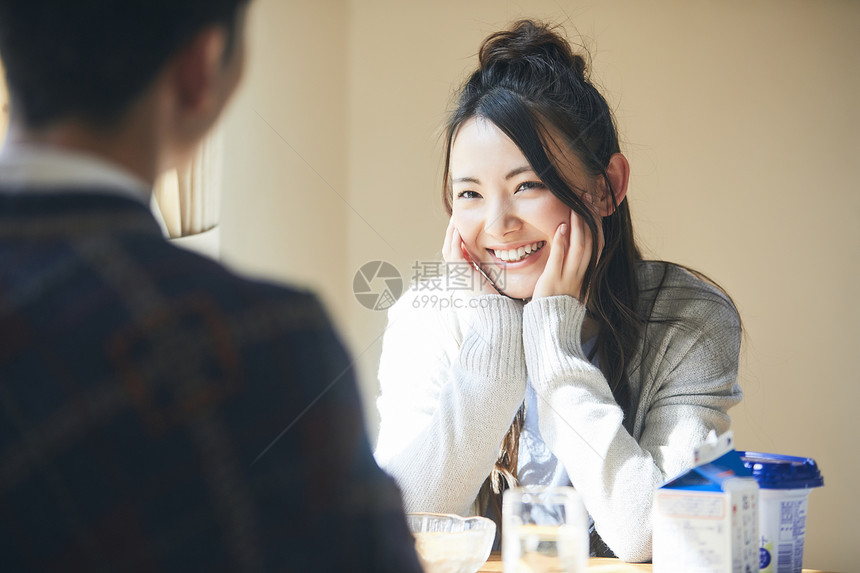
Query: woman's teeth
(515,255)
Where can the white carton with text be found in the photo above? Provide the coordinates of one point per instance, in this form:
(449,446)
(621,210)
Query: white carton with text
(706,519)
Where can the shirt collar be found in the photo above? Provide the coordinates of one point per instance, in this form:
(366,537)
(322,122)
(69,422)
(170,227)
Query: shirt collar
(34,169)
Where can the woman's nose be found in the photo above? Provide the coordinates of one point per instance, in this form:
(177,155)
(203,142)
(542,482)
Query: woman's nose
(502,218)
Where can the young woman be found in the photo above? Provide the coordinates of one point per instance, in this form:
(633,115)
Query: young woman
(571,360)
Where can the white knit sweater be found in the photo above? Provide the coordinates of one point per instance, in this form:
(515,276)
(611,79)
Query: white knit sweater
(451,381)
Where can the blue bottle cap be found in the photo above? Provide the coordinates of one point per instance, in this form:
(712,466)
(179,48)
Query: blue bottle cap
(773,471)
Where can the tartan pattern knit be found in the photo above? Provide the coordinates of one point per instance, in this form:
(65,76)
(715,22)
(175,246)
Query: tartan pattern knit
(141,390)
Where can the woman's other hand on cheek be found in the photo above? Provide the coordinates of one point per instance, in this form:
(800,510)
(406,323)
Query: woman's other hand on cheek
(469,281)
(569,255)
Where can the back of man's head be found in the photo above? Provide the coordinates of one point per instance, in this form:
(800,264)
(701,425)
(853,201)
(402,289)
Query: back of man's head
(90,59)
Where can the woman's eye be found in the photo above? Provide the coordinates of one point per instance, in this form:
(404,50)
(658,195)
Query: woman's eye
(467,195)
(530,185)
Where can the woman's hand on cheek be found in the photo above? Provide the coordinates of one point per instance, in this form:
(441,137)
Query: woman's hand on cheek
(469,281)
(569,255)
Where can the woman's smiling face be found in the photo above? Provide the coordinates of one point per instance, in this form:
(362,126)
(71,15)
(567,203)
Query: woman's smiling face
(505,215)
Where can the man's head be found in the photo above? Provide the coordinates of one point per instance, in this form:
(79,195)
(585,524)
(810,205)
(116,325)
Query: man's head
(91,59)
(136,81)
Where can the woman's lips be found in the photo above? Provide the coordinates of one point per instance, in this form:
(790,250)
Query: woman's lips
(518,254)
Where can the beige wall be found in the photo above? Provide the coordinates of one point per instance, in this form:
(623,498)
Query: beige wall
(740,126)
(283,211)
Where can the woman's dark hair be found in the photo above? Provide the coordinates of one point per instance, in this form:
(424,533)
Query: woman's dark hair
(92,59)
(537,91)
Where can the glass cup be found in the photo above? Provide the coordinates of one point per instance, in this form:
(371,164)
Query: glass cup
(544,529)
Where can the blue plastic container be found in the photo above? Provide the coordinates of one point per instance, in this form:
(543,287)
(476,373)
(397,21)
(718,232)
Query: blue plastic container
(785,483)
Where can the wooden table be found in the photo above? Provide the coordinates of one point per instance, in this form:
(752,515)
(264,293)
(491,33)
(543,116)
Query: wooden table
(595,564)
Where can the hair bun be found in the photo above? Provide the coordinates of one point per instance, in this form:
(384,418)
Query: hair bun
(529,41)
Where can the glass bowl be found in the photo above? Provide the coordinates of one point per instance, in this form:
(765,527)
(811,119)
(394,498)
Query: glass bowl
(451,544)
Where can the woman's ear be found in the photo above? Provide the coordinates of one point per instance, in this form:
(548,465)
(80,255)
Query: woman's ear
(618,173)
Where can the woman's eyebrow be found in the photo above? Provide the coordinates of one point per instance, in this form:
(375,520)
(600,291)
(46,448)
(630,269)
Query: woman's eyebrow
(512,173)
(517,171)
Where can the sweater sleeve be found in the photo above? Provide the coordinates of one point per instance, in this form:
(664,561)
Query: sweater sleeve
(694,377)
(451,381)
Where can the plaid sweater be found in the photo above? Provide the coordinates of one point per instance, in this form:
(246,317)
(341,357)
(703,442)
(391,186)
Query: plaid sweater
(160,413)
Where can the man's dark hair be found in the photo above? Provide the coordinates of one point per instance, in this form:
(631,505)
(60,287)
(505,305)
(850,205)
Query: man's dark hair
(90,59)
